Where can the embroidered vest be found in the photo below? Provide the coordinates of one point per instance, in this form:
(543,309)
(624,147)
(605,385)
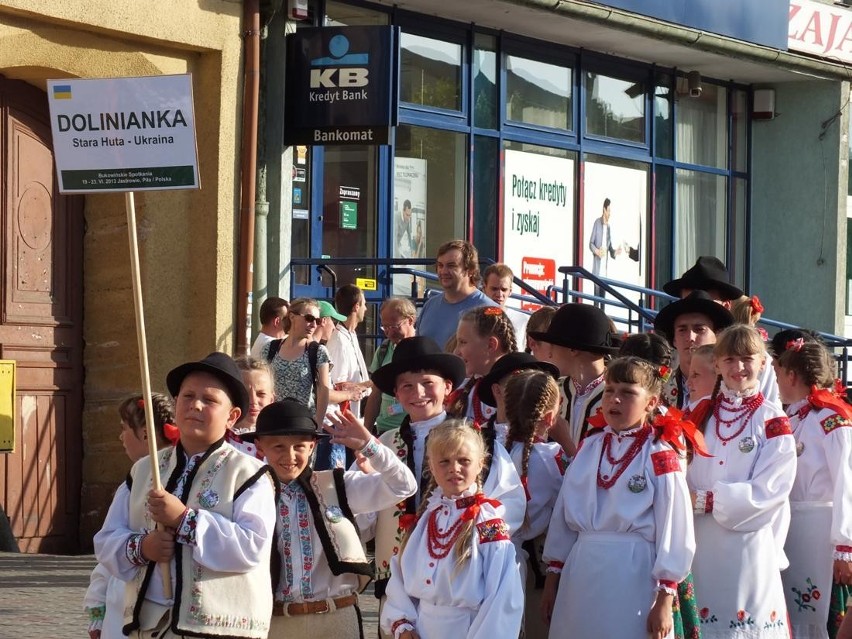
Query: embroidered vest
(207,603)
(335,524)
(593,401)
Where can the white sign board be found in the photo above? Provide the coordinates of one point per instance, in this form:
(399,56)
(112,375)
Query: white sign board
(409,215)
(823,30)
(538,216)
(124,134)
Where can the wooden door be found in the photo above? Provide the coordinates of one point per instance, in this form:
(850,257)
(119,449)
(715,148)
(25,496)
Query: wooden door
(41,299)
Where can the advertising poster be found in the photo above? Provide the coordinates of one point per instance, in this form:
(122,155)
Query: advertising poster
(408,231)
(615,223)
(538,216)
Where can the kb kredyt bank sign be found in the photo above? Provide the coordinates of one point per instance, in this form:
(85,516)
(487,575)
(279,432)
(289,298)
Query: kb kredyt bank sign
(341,85)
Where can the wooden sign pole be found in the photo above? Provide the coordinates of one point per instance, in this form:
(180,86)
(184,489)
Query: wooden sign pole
(130,204)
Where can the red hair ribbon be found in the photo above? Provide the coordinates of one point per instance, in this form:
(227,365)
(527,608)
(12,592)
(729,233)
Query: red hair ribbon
(839,387)
(597,420)
(140,403)
(672,426)
(824,398)
(172,433)
(756,306)
(665,373)
(493,310)
(407,521)
(472,510)
(795,344)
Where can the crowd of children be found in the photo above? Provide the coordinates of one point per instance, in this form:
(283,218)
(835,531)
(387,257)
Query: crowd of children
(595,486)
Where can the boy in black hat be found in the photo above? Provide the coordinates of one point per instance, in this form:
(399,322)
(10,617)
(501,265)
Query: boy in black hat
(216,520)
(709,274)
(320,567)
(688,324)
(580,338)
(421,376)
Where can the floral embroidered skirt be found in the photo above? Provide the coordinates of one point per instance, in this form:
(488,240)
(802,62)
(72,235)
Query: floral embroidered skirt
(687,624)
(738,581)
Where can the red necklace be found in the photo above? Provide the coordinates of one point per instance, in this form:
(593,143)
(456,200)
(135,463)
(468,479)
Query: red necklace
(742,414)
(439,543)
(620,464)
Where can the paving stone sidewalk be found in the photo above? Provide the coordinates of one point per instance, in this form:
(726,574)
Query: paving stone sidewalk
(41,597)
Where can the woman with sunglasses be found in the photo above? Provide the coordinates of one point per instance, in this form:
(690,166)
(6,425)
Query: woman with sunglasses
(291,364)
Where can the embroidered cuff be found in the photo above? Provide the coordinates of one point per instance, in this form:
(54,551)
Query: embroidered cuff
(370,448)
(185,533)
(133,549)
(401,625)
(843,553)
(703,502)
(669,587)
(96,617)
(555,567)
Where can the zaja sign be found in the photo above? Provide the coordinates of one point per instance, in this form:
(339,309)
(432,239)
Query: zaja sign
(822,30)
(340,85)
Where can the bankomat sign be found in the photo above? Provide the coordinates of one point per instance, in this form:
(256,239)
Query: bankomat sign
(341,85)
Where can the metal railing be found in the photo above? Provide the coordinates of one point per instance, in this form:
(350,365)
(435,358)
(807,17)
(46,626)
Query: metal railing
(633,315)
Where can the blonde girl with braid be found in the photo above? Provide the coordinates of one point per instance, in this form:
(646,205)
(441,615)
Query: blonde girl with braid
(483,336)
(455,575)
(532,406)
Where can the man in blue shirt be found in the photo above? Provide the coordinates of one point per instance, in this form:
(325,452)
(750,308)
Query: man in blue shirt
(457,266)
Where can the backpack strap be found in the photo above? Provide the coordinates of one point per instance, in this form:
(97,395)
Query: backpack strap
(274,346)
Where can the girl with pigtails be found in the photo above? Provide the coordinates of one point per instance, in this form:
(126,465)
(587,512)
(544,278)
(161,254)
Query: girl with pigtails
(484,335)
(455,574)
(531,399)
(618,545)
(819,543)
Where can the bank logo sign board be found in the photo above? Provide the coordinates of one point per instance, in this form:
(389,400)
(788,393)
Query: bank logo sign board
(124,134)
(341,85)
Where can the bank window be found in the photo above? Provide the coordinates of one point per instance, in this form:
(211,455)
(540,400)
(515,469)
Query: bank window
(700,220)
(702,126)
(663,126)
(538,93)
(430,72)
(615,108)
(340,14)
(485,106)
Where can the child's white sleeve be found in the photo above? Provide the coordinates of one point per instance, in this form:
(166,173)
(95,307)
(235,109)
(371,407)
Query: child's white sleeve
(111,541)
(838,451)
(501,612)
(673,520)
(95,599)
(504,484)
(399,612)
(391,483)
(544,479)
(750,505)
(233,545)
(560,537)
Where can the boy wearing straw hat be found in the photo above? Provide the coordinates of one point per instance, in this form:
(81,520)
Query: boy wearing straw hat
(319,566)
(215,519)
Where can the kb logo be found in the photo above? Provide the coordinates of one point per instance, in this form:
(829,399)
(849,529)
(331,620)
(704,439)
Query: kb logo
(341,68)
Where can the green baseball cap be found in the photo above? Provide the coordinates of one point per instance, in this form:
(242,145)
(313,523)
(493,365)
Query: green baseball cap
(327,310)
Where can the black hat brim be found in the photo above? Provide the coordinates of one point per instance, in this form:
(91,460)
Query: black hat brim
(726,290)
(718,314)
(235,387)
(486,395)
(448,366)
(285,432)
(558,340)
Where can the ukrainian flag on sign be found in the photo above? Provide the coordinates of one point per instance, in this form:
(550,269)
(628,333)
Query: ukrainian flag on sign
(61,91)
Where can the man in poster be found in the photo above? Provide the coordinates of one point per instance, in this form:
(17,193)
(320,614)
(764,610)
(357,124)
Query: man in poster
(600,244)
(403,243)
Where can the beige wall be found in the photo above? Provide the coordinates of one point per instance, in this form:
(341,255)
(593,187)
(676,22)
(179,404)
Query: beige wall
(187,239)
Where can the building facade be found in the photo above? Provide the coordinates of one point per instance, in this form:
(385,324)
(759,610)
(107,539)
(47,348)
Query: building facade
(67,310)
(699,127)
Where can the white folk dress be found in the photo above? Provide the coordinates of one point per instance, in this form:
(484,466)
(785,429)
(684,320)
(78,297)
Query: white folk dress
(742,495)
(616,546)
(481,600)
(821,518)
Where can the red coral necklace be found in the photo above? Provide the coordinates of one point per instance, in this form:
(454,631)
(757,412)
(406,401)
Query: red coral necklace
(620,464)
(744,413)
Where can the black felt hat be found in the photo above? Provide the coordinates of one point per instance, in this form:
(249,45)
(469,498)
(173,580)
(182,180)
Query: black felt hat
(220,366)
(708,274)
(287,417)
(508,364)
(580,326)
(695,302)
(418,354)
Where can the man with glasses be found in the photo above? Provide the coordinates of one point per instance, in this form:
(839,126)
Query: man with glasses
(457,266)
(383,412)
